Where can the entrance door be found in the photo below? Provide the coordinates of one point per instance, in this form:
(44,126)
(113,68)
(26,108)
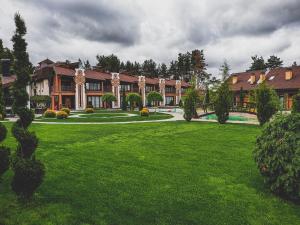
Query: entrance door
(68,102)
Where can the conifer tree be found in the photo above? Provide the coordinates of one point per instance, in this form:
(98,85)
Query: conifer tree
(274,62)
(28,172)
(223,103)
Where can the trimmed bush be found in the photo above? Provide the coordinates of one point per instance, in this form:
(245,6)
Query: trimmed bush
(61,115)
(223,102)
(133,98)
(28,176)
(3,132)
(155,97)
(89,105)
(144,112)
(67,110)
(89,110)
(267,103)
(296,103)
(189,106)
(49,113)
(277,155)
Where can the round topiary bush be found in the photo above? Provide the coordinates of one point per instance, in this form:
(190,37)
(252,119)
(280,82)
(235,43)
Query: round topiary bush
(89,110)
(61,115)
(28,176)
(50,113)
(67,110)
(277,155)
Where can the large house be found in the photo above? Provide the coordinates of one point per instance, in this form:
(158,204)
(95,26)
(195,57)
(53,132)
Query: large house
(75,88)
(285,80)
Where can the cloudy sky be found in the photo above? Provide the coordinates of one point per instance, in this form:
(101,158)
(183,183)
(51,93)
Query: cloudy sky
(158,29)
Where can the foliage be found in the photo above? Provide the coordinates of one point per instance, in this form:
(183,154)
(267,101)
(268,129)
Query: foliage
(29,174)
(144,112)
(296,103)
(274,62)
(224,69)
(180,103)
(267,103)
(154,96)
(223,103)
(110,63)
(277,155)
(190,102)
(67,110)
(258,63)
(133,98)
(61,115)
(4,151)
(27,141)
(89,110)
(124,102)
(109,98)
(89,105)
(50,113)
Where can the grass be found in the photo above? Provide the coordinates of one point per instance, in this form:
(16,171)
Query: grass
(153,173)
(108,116)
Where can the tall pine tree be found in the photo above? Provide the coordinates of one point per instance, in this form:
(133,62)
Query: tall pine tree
(274,62)
(28,172)
(258,63)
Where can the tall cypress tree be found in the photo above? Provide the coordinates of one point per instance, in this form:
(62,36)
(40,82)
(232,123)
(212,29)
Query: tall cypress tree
(28,172)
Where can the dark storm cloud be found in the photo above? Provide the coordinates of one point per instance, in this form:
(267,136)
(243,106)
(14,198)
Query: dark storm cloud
(243,18)
(94,21)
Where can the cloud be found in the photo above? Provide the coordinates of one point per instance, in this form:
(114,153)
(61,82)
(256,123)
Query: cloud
(141,29)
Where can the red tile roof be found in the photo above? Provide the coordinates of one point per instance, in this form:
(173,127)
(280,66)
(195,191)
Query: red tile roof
(94,74)
(274,78)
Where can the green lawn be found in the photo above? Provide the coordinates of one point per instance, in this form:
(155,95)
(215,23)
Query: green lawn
(108,116)
(153,173)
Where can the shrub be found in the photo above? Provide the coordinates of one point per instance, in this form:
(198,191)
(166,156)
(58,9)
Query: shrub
(61,115)
(296,104)
(67,110)
(267,103)
(180,104)
(4,159)
(89,110)
(277,155)
(154,96)
(189,106)
(28,176)
(3,132)
(223,102)
(124,102)
(133,98)
(50,113)
(144,112)
(109,98)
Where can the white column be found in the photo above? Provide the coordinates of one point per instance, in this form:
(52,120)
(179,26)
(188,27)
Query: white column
(162,90)
(80,95)
(142,88)
(115,84)
(29,94)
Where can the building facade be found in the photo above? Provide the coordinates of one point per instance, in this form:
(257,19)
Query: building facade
(75,88)
(284,80)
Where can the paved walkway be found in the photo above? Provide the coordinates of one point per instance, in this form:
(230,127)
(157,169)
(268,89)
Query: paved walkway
(177,116)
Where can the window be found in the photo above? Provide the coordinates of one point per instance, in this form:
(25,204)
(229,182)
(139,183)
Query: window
(169,100)
(93,86)
(149,88)
(125,87)
(95,101)
(170,90)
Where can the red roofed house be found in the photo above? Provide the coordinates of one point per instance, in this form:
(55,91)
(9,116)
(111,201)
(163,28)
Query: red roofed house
(72,87)
(285,80)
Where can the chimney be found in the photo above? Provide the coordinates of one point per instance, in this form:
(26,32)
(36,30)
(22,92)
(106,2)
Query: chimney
(5,67)
(252,79)
(234,79)
(288,74)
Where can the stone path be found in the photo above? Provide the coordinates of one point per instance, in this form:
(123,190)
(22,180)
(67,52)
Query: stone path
(177,116)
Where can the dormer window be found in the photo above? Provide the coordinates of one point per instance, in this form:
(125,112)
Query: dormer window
(234,79)
(288,74)
(252,79)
